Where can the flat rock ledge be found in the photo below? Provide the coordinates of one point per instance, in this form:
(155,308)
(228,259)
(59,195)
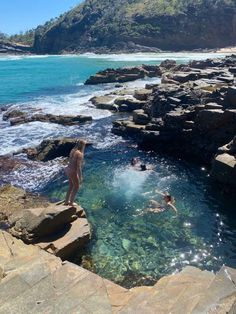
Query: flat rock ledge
(56,228)
(35,281)
(15,117)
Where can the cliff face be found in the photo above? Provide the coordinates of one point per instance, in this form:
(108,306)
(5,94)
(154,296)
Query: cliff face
(111,25)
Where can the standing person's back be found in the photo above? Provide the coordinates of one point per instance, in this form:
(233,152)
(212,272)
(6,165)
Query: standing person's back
(74,171)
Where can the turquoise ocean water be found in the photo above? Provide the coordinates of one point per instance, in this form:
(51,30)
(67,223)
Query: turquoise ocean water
(129,245)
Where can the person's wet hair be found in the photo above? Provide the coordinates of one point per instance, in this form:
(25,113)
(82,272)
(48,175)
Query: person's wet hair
(143,167)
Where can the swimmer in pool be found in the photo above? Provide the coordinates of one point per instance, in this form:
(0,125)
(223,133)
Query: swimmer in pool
(156,207)
(74,171)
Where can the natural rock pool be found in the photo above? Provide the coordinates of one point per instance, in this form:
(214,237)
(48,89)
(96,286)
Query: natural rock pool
(129,245)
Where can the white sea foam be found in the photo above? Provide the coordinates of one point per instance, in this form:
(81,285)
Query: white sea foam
(130,181)
(34,176)
(145,57)
(125,57)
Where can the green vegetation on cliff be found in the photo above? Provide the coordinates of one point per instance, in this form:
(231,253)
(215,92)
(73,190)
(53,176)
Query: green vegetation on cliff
(105,25)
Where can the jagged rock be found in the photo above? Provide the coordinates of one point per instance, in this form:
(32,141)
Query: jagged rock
(121,75)
(51,149)
(168,64)
(33,224)
(12,113)
(184,77)
(229,148)
(142,94)
(140,117)
(130,103)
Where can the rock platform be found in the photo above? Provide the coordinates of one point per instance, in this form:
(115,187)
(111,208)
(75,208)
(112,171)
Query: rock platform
(35,281)
(56,228)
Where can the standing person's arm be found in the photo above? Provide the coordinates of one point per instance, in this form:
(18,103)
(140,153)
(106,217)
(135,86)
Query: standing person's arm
(79,166)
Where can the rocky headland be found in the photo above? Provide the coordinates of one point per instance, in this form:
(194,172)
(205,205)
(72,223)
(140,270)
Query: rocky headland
(191,113)
(102,26)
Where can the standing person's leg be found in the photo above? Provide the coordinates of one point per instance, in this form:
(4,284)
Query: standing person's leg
(75,189)
(68,194)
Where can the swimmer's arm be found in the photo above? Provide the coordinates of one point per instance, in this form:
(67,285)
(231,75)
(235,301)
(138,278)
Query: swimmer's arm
(147,193)
(173,207)
(160,193)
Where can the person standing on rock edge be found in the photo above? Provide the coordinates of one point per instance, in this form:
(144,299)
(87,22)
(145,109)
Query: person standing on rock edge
(74,171)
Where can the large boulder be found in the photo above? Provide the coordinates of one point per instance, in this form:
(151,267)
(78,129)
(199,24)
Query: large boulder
(231,96)
(51,149)
(142,94)
(208,119)
(104,102)
(121,75)
(67,242)
(140,117)
(35,223)
(224,169)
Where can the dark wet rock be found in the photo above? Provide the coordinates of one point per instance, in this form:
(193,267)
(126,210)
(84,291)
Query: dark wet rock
(51,149)
(230,97)
(12,114)
(224,169)
(61,119)
(123,75)
(140,117)
(168,64)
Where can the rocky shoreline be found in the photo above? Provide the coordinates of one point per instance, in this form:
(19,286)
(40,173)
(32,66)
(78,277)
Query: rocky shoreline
(58,229)
(191,114)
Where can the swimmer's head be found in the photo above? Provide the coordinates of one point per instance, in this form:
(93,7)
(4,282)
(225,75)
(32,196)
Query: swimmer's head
(167,197)
(143,167)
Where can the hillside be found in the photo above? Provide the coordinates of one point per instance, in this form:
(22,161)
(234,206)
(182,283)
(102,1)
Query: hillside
(125,25)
